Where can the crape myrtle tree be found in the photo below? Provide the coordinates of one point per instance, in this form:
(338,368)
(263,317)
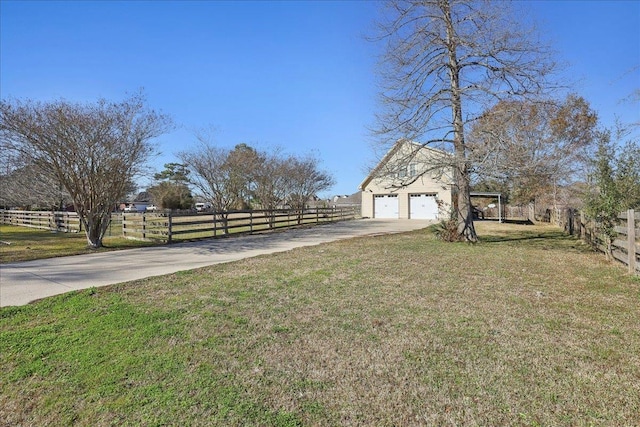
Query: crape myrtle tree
(305,180)
(245,177)
(222,177)
(92,149)
(443,63)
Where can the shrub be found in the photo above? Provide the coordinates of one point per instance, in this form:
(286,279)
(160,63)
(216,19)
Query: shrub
(447,230)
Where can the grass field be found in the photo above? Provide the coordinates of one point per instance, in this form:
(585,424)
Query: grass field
(527,328)
(26,244)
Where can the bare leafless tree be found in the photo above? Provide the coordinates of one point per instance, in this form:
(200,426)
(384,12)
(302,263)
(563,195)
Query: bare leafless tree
(93,149)
(446,61)
(271,181)
(305,181)
(221,176)
(245,177)
(24,184)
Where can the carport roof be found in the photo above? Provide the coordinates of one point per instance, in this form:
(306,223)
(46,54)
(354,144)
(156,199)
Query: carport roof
(484,194)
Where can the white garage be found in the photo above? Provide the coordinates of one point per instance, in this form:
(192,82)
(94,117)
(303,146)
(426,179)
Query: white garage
(409,182)
(386,206)
(423,206)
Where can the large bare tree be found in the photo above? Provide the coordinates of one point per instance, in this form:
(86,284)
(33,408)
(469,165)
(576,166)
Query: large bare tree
(93,149)
(444,63)
(534,147)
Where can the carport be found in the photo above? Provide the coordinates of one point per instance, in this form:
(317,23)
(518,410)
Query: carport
(490,194)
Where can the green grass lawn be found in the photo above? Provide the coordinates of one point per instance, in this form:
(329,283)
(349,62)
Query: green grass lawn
(26,243)
(527,328)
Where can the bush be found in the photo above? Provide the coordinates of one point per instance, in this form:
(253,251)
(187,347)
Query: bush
(447,231)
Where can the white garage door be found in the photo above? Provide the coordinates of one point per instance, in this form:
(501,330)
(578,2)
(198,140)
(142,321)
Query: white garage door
(423,206)
(386,206)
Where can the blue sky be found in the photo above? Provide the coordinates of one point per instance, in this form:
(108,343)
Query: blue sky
(296,75)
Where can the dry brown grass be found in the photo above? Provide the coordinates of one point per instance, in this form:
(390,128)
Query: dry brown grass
(526,328)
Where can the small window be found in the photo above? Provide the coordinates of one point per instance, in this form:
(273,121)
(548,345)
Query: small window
(413,170)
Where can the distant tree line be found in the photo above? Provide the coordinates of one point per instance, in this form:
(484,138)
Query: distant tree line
(238,179)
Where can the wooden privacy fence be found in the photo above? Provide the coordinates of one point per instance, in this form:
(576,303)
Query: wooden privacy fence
(172,227)
(625,246)
(47,220)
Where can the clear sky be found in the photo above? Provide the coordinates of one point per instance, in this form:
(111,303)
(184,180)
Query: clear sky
(292,74)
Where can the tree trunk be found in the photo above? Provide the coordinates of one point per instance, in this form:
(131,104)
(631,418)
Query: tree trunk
(95,229)
(225,223)
(94,236)
(466,229)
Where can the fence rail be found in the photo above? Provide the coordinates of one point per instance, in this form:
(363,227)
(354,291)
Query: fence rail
(47,220)
(172,227)
(624,248)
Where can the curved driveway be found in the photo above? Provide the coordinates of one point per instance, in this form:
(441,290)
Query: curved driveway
(23,282)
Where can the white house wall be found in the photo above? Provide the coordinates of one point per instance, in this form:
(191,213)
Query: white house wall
(422,185)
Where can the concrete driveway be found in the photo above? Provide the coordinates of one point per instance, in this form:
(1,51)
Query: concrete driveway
(23,282)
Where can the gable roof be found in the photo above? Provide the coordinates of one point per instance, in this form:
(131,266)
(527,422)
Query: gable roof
(393,150)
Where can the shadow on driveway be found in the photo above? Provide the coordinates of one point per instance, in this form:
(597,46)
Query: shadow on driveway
(27,281)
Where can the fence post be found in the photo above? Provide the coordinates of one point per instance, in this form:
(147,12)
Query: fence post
(144,226)
(169,225)
(631,240)
(251,221)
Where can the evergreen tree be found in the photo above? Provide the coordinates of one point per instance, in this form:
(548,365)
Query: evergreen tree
(604,201)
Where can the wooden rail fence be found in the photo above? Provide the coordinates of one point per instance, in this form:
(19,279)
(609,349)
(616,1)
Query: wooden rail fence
(47,220)
(625,247)
(172,227)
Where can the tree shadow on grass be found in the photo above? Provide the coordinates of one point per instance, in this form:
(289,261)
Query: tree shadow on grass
(535,239)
